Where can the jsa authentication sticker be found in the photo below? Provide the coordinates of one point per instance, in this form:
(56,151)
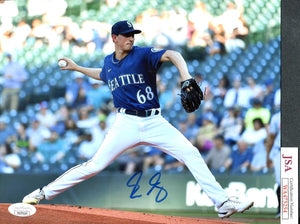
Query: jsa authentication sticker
(21,209)
(289,185)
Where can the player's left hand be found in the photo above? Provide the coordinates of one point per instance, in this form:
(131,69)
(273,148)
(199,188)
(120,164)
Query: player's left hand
(191,95)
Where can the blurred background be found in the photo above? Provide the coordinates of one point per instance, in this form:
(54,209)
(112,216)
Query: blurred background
(52,120)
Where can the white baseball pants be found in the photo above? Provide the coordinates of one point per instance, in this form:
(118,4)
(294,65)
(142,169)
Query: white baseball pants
(129,131)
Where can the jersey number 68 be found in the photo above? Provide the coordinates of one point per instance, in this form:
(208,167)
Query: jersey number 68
(142,98)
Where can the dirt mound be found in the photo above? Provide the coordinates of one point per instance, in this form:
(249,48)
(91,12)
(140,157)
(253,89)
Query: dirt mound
(66,214)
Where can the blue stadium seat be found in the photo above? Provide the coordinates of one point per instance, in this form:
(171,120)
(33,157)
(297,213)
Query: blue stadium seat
(263,62)
(229,62)
(246,61)
(224,68)
(253,49)
(241,69)
(191,68)
(233,56)
(207,69)
(54,106)
(45,167)
(217,57)
(259,45)
(249,55)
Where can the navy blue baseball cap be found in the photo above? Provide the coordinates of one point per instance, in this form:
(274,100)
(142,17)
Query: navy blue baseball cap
(123,27)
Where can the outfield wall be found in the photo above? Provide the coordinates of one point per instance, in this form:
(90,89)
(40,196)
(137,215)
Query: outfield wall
(158,191)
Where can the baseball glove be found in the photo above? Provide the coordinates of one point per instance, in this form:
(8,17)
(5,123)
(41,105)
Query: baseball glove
(191,95)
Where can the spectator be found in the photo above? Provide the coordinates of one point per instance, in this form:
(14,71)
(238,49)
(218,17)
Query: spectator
(217,156)
(88,146)
(215,43)
(231,126)
(201,81)
(130,161)
(205,86)
(200,18)
(177,31)
(222,88)
(72,132)
(38,32)
(254,90)
(237,95)
(206,133)
(4,167)
(87,34)
(55,36)
(240,159)
(99,132)
(173,165)
(14,75)
(63,113)
(85,119)
(6,41)
(6,131)
(102,36)
(231,18)
(273,152)
(98,95)
(111,117)
(112,3)
(188,127)
(192,125)
(37,134)
(209,107)
(197,41)
(236,39)
(49,8)
(61,116)
(76,91)
(153,158)
(9,161)
(22,139)
(45,116)
(147,19)
(257,111)
(20,34)
(52,150)
(268,95)
(277,98)
(259,160)
(8,10)
(166,97)
(258,133)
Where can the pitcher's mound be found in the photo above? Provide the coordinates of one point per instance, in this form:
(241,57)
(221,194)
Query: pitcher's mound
(66,214)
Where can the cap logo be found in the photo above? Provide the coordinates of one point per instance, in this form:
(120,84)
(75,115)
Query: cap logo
(129,24)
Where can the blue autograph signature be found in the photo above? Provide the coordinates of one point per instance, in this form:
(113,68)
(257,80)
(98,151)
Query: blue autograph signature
(154,182)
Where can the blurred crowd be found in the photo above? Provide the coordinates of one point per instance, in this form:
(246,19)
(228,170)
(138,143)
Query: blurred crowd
(82,121)
(232,139)
(45,24)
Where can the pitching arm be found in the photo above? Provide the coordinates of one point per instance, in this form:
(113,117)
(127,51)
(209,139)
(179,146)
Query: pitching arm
(91,72)
(177,59)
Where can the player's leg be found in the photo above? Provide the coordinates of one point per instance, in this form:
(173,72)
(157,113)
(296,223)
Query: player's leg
(166,137)
(121,136)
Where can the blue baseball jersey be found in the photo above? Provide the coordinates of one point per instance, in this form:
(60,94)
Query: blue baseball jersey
(132,80)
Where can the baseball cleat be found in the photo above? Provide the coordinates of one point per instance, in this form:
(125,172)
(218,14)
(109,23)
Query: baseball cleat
(34,197)
(230,207)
